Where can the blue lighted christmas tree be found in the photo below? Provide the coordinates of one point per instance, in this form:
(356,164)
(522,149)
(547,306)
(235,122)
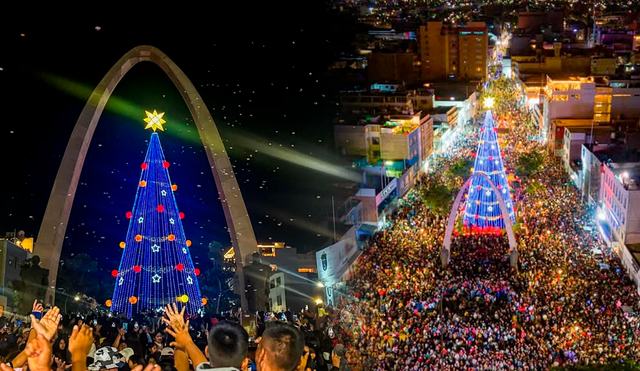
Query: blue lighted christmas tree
(482,211)
(156,267)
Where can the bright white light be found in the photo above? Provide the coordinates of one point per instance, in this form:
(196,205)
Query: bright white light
(76,298)
(320,284)
(602,215)
(388,163)
(625,174)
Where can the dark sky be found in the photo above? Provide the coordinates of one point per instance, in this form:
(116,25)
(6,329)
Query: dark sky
(262,73)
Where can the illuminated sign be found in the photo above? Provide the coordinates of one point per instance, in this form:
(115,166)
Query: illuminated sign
(307,270)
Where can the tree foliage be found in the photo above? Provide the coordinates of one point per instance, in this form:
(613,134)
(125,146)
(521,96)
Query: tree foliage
(437,196)
(216,283)
(529,163)
(78,275)
(461,168)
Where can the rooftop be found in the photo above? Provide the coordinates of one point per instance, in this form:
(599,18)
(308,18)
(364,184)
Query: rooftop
(627,173)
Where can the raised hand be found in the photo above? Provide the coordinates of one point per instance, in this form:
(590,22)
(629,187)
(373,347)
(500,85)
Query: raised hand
(181,333)
(80,342)
(48,325)
(61,365)
(37,307)
(174,318)
(38,352)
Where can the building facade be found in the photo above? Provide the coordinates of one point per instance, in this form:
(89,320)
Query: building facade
(451,52)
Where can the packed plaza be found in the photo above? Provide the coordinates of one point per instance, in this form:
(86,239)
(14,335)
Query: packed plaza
(485,216)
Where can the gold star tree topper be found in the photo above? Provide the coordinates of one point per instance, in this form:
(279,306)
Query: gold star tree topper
(154,120)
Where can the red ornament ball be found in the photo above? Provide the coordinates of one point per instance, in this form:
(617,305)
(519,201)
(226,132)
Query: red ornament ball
(160,208)
(180,267)
(196,272)
(114,273)
(144,166)
(181,215)
(137,269)
(129,214)
(166,164)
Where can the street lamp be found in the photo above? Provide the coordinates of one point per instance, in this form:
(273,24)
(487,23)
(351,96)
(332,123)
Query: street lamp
(318,301)
(76,298)
(320,284)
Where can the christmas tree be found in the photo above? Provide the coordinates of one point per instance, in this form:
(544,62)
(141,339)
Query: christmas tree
(482,211)
(156,267)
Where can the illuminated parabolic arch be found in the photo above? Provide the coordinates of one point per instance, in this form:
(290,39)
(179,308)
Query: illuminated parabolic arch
(56,216)
(445,253)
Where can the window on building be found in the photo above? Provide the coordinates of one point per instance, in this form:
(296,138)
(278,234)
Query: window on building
(279,299)
(272,284)
(278,282)
(560,98)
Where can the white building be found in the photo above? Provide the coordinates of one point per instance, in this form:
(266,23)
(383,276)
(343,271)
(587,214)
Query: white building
(619,212)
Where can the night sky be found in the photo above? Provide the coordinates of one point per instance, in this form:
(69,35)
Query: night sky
(264,78)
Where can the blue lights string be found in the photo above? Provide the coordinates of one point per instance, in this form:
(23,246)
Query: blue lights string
(482,209)
(149,276)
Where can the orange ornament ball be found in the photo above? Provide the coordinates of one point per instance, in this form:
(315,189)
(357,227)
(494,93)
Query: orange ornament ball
(174,187)
(171,237)
(133,300)
(108,303)
(122,244)
(143,183)
(188,243)
(204,301)
(138,238)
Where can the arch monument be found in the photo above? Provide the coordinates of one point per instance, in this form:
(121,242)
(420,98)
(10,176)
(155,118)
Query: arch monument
(56,217)
(445,253)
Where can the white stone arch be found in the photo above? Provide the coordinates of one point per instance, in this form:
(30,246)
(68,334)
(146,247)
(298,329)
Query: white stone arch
(56,216)
(445,253)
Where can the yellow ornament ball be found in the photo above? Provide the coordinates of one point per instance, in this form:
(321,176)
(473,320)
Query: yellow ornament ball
(122,244)
(184,298)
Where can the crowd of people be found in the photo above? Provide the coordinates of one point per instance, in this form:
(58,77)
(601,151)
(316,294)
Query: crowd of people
(170,341)
(569,302)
